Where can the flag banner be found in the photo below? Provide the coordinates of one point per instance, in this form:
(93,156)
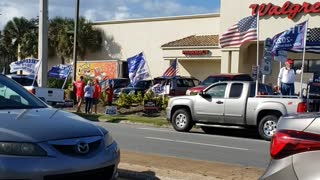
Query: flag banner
(138,68)
(290,39)
(60,71)
(27,65)
(245,30)
(172,70)
(158,89)
(313,41)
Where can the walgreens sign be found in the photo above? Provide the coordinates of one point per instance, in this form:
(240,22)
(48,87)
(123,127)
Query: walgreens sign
(288,8)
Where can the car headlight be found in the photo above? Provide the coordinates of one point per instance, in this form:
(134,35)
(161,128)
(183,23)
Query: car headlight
(21,149)
(108,140)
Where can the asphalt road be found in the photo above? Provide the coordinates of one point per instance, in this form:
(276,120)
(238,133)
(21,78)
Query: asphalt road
(230,146)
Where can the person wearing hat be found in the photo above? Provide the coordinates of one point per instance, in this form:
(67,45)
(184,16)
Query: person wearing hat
(286,78)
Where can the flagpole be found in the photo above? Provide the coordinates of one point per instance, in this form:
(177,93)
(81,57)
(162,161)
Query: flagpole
(65,81)
(258,69)
(303,56)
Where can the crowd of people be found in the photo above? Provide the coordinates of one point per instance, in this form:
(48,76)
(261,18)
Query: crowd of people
(90,93)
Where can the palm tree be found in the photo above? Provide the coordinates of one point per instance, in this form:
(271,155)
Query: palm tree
(14,31)
(61,38)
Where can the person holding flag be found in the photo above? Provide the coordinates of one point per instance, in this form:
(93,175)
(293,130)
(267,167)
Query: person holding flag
(286,78)
(292,39)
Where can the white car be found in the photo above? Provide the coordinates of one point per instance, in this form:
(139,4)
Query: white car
(52,96)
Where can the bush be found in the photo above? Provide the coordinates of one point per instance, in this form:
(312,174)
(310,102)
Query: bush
(58,83)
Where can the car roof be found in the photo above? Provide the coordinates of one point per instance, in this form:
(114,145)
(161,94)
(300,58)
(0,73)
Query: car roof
(228,75)
(176,77)
(20,76)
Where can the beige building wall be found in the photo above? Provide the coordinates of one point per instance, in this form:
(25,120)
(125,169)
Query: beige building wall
(200,68)
(148,35)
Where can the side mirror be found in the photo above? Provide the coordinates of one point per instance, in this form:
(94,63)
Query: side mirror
(204,95)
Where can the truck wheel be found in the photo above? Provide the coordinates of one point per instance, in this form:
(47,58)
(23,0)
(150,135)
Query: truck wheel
(207,130)
(181,120)
(268,126)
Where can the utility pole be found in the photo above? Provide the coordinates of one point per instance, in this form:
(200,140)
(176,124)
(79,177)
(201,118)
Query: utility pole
(43,43)
(76,21)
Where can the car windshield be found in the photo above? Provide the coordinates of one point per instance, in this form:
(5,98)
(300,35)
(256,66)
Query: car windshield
(25,81)
(211,80)
(13,96)
(142,84)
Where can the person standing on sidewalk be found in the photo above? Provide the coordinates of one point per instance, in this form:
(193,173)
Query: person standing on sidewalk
(88,95)
(79,92)
(96,95)
(109,92)
(286,78)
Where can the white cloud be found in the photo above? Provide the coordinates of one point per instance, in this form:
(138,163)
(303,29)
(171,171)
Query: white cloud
(98,10)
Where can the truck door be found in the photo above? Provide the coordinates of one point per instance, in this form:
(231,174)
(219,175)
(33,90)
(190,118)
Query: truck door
(235,104)
(210,107)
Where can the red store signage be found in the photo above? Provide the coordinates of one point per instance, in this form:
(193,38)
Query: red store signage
(288,8)
(194,53)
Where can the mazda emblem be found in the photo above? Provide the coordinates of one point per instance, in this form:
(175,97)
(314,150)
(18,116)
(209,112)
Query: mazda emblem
(82,148)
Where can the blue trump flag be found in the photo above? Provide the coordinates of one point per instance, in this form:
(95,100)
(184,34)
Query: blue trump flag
(291,39)
(60,71)
(138,68)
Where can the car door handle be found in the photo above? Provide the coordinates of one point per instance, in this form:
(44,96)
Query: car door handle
(219,102)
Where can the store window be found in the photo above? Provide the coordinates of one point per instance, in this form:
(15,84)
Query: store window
(310,66)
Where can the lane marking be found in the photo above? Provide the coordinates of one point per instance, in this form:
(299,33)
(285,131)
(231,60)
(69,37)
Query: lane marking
(195,143)
(208,135)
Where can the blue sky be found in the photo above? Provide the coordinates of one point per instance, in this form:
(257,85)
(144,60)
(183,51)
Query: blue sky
(105,10)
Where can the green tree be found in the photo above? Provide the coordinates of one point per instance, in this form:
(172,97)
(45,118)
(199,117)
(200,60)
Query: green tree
(61,38)
(14,32)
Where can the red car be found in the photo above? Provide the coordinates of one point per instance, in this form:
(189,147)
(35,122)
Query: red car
(216,78)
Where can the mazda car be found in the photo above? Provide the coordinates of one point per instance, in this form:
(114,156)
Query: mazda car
(295,148)
(38,142)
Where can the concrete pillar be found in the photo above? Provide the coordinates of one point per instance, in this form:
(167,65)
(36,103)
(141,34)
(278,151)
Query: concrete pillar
(225,61)
(235,62)
(43,43)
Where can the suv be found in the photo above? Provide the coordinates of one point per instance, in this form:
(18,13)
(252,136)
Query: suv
(141,86)
(216,78)
(178,84)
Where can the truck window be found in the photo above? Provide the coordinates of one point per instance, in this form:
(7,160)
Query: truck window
(217,91)
(236,90)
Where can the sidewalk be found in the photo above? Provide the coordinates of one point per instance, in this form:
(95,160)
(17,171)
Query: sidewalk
(146,166)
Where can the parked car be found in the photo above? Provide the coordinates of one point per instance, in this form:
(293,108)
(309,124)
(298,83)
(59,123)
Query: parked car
(216,78)
(52,96)
(232,103)
(40,142)
(295,152)
(141,86)
(178,85)
(117,83)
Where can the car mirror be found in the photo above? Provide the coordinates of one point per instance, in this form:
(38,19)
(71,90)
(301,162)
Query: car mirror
(204,94)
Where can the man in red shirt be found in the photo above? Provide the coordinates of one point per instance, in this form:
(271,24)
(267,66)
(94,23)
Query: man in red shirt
(96,95)
(80,92)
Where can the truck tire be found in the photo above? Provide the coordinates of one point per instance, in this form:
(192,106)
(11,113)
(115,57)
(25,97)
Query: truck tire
(208,130)
(181,120)
(268,126)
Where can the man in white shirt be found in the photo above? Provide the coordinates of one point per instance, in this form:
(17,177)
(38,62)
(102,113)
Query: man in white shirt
(286,78)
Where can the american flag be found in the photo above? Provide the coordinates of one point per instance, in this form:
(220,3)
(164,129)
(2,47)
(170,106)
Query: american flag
(172,70)
(313,41)
(245,30)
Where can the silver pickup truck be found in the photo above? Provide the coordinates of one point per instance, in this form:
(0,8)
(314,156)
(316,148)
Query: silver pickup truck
(232,103)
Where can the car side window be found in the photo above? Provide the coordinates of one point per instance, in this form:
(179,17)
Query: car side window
(217,91)
(236,90)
